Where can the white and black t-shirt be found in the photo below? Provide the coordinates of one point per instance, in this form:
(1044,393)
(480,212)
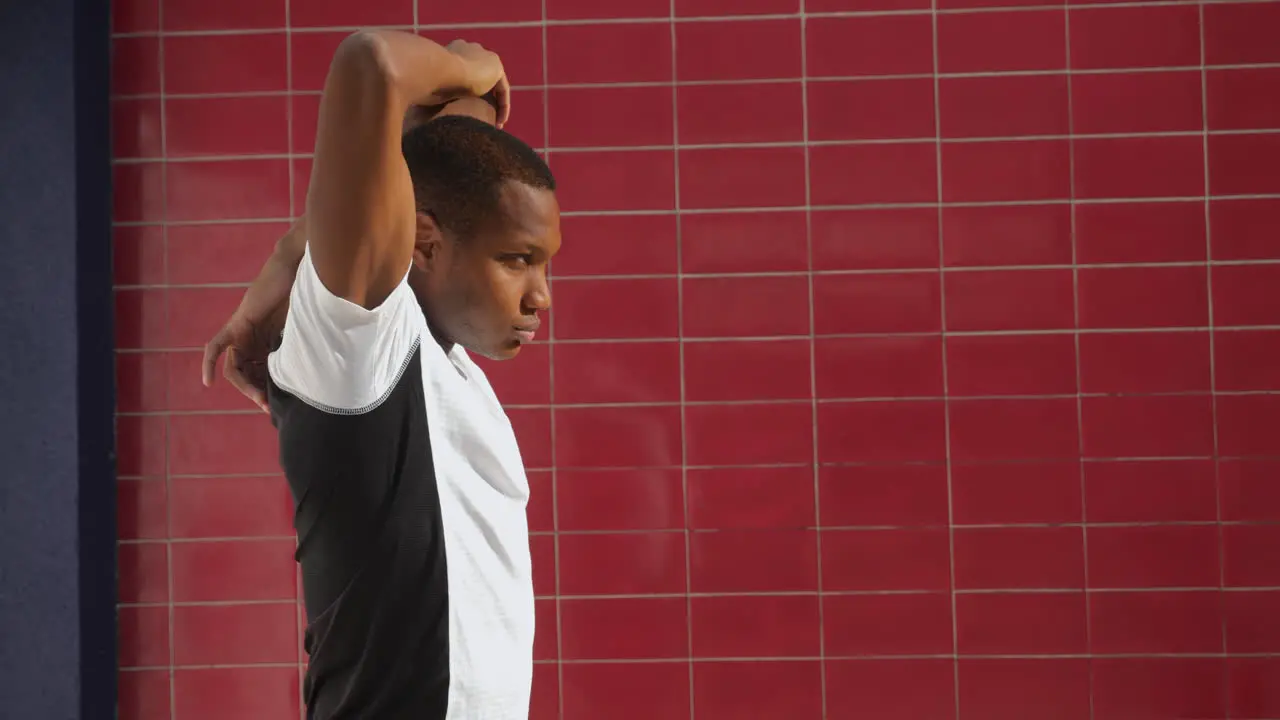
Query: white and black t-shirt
(410,498)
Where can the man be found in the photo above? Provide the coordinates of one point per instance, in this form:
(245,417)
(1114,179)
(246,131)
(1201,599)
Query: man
(419,239)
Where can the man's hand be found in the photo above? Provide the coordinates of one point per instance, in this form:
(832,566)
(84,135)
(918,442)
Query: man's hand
(487,75)
(251,333)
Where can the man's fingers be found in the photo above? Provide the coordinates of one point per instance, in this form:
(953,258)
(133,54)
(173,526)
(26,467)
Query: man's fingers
(233,369)
(502,93)
(212,350)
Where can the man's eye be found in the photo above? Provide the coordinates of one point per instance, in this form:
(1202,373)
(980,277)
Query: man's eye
(518,260)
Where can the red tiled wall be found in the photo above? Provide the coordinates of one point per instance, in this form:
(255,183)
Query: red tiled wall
(934,374)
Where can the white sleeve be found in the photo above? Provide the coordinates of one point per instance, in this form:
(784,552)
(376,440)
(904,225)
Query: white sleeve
(338,356)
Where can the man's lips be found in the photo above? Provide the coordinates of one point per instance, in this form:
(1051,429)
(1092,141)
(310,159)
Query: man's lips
(525,333)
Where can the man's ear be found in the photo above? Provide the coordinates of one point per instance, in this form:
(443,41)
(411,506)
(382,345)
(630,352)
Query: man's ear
(427,242)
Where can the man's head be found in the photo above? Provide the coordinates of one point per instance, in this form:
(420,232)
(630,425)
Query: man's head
(488,223)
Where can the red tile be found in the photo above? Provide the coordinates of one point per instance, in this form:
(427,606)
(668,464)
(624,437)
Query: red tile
(1144,362)
(652,690)
(753,561)
(1153,556)
(230,507)
(310,54)
(1238,33)
(138,192)
(141,382)
(1019,558)
(1136,102)
(1245,98)
(703,120)
(1245,424)
(142,510)
(624,628)
(1241,229)
(141,319)
(865,367)
(717,624)
(609,309)
(234,570)
(133,16)
(221,253)
(1244,295)
(235,634)
(1006,170)
(892,689)
(1032,429)
(889,303)
(874,174)
(194,16)
(225,63)
(822,6)
(750,370)
(1044,492)
(621,52)
(1155,622)
(228,190)
(138,255)
(140,445)
(1011,365)
(1248,555)
(1251,623)
(1007,235)
(527,382)
(869,45)
(610,116)
(499,11)
(878,560)
(1239,164)
(617,180)
(890,431)
(135,129)
(618,245)
(543,550)
(1251,686)
(1144,297)
(758,690)
(1139,167)
(1248,490)
(871,109)
(1010,300)
(743,242)
(707,8)
(217,444)
(1021,624)
(742,177)
(325,13)
(631,564)
(144,636)
(528,118)
(300,171)
(711,50)
(617,437)
(187,393)
(135,65)
(1135,37)
(541,509)
(196,313)
(253,125)
(751,498)
(874,238)
(215,693)
(1158,688)
(746,306)
(1029,105)
(619,500)
(1140,232)
(1147,426)
(1016,689)
(546,640)
(617,372)
(142,574)
(885,625)
(1002,41)
(144,695)
(1146,491)
(743,434)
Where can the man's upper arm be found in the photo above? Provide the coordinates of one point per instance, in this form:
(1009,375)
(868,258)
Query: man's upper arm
(360,207)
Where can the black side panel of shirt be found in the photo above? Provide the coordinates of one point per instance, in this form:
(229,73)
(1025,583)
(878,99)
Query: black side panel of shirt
(371,547)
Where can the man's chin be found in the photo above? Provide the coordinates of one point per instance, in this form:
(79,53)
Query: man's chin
(505,352)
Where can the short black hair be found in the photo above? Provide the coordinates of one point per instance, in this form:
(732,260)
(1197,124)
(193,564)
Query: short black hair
(458,165)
